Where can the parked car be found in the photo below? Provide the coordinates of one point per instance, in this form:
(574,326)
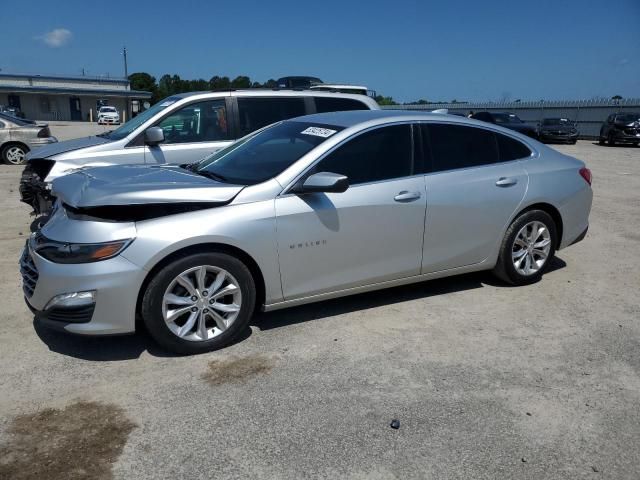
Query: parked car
(108,115)
(621,128)
(13,111)
(307,209)
(558,130)
(507,120)
(18,136)
(180,129)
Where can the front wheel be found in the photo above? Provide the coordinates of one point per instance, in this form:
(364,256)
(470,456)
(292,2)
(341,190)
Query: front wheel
(611,140)
(199,303)
(14,154)
(527,248)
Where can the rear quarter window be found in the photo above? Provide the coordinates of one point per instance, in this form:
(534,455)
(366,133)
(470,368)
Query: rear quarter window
(511,149)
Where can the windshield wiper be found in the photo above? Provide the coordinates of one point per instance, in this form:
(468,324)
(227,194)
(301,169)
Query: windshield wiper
(211,175)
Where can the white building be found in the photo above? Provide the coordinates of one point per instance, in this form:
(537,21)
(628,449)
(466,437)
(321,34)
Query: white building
(52,97)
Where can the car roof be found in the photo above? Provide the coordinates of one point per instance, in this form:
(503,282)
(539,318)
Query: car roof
(275,92)
(350,118)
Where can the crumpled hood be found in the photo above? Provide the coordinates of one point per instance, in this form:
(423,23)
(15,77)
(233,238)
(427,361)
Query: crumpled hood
(66,146)
(139,185)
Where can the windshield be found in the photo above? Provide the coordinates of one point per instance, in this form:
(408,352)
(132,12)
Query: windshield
(108,109)
(259,157)
(556,121)
(628,118)
(128,127)
(506,118)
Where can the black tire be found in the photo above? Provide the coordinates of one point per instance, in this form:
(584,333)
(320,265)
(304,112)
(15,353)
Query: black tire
(8,149)
(504,269)
(601,141)
(151,308)
(573,142)
(611,140)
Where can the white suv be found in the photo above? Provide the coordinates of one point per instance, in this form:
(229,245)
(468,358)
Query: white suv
(180,129)
(108,115)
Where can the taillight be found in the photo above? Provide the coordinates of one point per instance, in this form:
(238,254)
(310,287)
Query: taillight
(586,174)
(44,132)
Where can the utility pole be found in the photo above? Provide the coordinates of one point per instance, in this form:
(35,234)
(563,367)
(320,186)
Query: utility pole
(126,76)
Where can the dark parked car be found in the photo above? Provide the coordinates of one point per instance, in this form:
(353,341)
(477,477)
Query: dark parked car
(621,128)
(558,130)
(13,111)
(507,120)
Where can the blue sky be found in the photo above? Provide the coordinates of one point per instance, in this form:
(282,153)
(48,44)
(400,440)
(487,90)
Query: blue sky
(437,50)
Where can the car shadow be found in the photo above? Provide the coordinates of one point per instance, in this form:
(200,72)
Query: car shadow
(129,347)
(108,348)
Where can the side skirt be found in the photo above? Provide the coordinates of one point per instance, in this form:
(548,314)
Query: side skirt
(377,286)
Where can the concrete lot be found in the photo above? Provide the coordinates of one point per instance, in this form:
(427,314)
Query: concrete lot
(487,381)
(68,130)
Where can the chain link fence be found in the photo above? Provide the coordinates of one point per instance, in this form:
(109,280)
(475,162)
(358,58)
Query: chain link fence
(588,114)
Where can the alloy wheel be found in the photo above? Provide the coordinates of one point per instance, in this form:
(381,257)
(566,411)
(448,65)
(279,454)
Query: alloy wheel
(531,248)
(15,155)
(201,303)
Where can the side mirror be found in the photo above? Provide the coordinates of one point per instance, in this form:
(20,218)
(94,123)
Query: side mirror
(153,136)
(326,182)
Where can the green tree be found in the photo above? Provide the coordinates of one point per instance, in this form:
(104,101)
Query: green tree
(382,100)
(241,82)
(271,83)
(219,83)
(145,82)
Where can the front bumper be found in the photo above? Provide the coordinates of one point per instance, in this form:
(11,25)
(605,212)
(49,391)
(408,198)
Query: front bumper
(111,121)
(626,137)
(41,142)
(116,283)
(558,137)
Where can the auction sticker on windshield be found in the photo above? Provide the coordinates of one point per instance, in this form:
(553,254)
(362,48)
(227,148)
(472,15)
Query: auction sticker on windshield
(318,132)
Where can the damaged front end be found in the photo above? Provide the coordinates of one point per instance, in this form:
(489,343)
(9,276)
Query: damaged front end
(135,213)
(34,191)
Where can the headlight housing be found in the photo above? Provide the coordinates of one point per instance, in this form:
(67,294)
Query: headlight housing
(63,252)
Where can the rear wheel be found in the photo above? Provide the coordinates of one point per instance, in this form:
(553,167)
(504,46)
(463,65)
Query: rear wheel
(14,154)
(199,303)
(527,248)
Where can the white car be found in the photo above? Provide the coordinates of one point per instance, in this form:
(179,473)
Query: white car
(108,115)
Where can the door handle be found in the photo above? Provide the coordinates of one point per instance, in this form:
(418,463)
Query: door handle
(506,182)
(405,196)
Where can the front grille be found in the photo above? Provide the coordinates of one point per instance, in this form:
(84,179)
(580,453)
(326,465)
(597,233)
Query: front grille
(29,273)
(70,315)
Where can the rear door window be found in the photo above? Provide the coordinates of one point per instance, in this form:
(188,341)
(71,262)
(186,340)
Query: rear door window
(332,104)
(458,146)
(257,112)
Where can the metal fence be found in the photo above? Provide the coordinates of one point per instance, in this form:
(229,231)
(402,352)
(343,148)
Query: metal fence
(588,114)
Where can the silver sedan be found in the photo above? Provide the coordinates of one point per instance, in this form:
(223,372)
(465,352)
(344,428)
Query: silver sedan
(307,209)
(18,136)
